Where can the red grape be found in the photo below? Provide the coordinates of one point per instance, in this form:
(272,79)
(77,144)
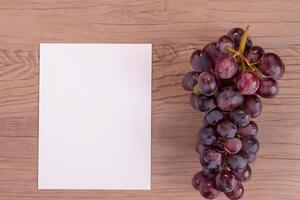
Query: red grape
(189,80)
(226,181)
(213,117)
(207,135)
(236,34)
(207,83)
(224,42)
(227,129)
(208,189)
(250,130)
(200,61)
(197,178)
(213,52)
(247,82)
(268,87)
(271,65)
(236,193)
(233,145)
(226,67)
(202,103)
(254,54)
(249,156)
(229,99)
(240,117)
(244,175)
(253,104)
(210,173)
(250,145)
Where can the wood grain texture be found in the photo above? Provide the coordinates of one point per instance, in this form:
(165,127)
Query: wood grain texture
(176,28)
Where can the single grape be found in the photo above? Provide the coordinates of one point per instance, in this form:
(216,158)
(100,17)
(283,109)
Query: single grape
(208,189)
(209,173)
(200,61)
(247,82)
(207,83)
(254,54)
(197,178)
(249,156)
(271,65)
(243,175)
(226,181)
(229,99)
(268,87)
(250,145)
(202,103)
(213,117)
(240,117)
(224,42)
(189,80)
(236,193)
(211,159)
(207,135)
(213,52)
(200,147)
(237,162)
(236,34)
(226,67)
(233,145)
(227,129)
(250,130)
(253,104)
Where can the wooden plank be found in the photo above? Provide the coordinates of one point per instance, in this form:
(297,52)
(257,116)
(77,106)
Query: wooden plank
(175,28)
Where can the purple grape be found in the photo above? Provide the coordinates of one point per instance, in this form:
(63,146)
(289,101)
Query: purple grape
(211,159)
(226,181)
(250,130)
(200,147)
(244,175)
(200,61)
(236,193)
(240,117)
(197,178)
(207,83)
(227,129)
(209,173)
(202,103)
(250,145)
(236,34)
(213,52)
(189,80)
(226,67)
(271,65)
(224,42)
(247,82)
(229,99)
(208,189)
(207,135)
(233,145)
(254,54)
(253,104)
(268,88)
(237,162)
(251,157)
(213,117)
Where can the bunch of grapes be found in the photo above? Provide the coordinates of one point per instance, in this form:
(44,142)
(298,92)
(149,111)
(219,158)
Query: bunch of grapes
(228,78)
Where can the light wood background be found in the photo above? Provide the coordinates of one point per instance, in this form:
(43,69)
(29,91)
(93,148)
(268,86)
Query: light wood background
(176,28)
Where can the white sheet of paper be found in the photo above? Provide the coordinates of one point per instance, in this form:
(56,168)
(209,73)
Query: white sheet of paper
(95,116)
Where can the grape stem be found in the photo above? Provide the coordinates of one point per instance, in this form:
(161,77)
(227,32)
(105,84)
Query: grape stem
(240,52)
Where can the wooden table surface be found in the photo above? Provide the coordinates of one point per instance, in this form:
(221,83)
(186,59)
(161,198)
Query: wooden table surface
(176,28)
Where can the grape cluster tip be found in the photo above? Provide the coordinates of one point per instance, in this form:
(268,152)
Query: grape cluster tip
(227,80)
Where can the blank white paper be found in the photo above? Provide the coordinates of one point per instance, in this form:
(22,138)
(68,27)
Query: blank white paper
(95,116)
